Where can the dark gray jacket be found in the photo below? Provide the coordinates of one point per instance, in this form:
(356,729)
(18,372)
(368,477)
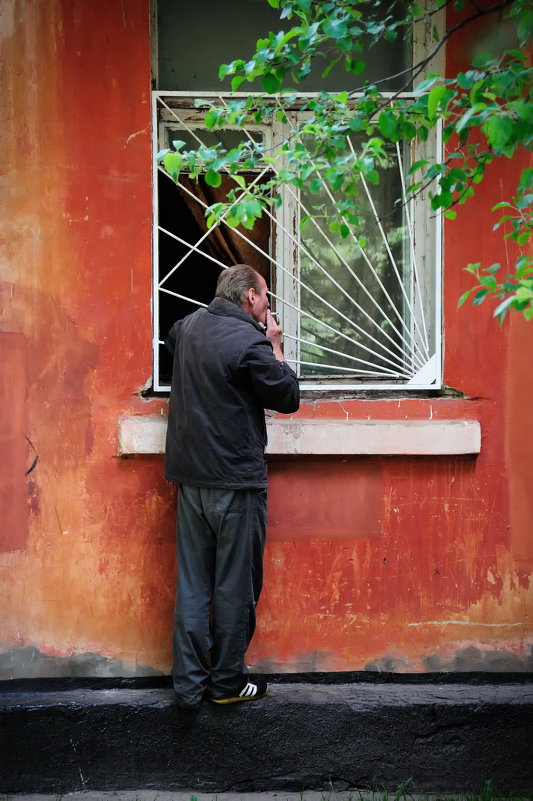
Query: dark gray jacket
(224,375)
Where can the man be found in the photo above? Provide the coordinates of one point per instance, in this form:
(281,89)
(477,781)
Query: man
(228,367)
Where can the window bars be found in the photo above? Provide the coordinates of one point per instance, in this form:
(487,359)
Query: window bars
(356,314)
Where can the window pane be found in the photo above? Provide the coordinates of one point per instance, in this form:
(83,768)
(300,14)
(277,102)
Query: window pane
(353,303)
(193,39)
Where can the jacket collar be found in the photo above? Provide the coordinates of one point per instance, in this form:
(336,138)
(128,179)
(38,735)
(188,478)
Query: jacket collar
(225,308)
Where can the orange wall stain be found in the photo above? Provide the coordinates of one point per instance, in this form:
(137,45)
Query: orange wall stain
(407,564)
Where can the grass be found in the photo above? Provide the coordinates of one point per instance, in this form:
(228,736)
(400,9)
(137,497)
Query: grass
(402,793)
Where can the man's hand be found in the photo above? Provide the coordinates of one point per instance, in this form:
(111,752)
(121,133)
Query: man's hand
(274,333)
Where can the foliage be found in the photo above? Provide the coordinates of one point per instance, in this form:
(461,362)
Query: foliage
(343,137)
(516,290)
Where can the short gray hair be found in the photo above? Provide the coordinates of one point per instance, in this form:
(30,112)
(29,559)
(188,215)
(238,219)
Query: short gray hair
(234,282)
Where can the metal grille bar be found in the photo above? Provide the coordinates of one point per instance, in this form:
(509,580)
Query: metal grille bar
(400,351)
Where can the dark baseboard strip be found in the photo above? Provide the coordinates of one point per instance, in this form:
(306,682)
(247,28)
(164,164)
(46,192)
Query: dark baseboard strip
(62,683)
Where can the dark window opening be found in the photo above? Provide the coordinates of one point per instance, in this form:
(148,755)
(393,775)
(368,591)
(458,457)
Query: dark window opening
(194,281)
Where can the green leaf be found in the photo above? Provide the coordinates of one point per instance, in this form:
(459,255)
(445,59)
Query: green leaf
(335,28)
(233,155)
(480,296)
(525,28)
(273,3)
(434,99)
(210,119)
(463,122)
(335,178)
(270,83)
(517,54)
(344,230)
(450,214)
(488,281)
(464,297)
(172,163)
(482,61)
(283,40)
(465,119)
(524,293)
(426,84)
(236,82)
(417,165)
(526,178)
(355,65)
(387,124)
(223,70)
(498,130)
(341,97)
(213,178)
(465,80)
(330,66)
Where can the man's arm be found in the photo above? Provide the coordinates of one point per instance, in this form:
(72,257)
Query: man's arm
(274,383)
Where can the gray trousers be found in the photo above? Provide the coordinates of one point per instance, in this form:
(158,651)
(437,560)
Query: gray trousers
(220,544)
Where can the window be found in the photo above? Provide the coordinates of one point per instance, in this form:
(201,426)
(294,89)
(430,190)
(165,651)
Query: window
(356,313)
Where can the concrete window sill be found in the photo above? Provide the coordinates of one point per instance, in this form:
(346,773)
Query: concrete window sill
(301,437)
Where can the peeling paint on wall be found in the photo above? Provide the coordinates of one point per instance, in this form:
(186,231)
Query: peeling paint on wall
(388,563)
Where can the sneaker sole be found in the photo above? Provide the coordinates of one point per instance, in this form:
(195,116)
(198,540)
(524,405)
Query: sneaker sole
(237,698)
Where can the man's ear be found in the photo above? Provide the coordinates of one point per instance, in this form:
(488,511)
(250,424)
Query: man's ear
(249,299)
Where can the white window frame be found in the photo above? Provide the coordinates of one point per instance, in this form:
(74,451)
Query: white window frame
(427,250)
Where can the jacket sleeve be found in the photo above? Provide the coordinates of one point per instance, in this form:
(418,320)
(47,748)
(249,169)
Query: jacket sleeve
(273,383)
(170,341)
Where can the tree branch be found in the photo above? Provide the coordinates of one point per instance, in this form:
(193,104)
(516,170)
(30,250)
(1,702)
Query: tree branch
(416,69)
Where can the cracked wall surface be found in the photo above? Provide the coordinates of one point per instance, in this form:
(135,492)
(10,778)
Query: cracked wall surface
(403,564)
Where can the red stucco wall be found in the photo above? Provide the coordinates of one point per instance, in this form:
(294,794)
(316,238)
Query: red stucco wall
(405,564)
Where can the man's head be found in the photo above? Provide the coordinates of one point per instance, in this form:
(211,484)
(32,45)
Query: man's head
(245,287)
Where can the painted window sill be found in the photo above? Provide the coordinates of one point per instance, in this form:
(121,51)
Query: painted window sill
(301,437)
